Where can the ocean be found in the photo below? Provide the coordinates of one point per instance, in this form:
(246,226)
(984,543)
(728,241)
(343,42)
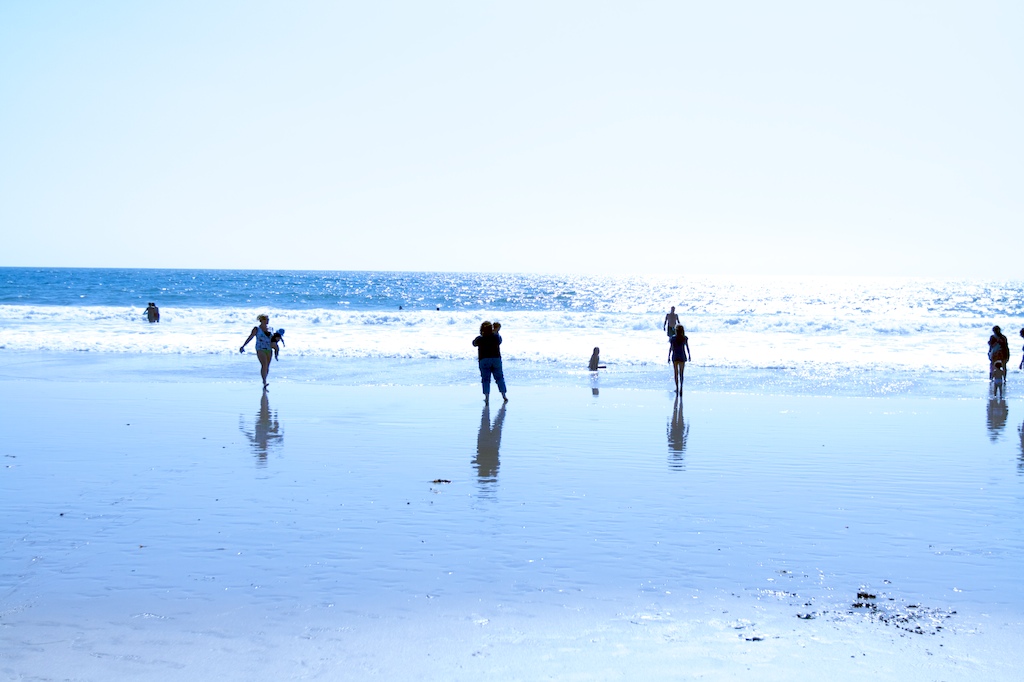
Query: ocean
(876,335)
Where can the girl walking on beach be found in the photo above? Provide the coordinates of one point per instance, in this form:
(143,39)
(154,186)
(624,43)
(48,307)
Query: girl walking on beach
(489,355)
(678,355)
(264,345)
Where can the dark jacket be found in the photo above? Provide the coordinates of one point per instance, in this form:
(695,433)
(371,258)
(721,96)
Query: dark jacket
(488,346)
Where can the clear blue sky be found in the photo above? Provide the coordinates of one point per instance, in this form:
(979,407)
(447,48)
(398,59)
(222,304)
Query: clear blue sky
(691,137)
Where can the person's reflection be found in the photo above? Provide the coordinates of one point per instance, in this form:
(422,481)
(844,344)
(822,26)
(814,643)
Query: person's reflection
(678,431)
(488,441)
(997,412)
(266,433)
(595,385)
(1020,432)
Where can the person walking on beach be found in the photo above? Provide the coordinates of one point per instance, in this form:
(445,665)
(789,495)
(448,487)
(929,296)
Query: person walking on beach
(152,313)
(671,322)
(595,360)
(679,355)
(264,345)
(488,346)
(998,348)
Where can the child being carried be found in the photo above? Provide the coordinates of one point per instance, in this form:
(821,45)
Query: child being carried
(277,338)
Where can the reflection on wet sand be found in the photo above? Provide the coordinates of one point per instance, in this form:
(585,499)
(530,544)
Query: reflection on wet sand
(595,385)
(488,441)
(997,413)
(1020,432)
(678,431)
(266,434)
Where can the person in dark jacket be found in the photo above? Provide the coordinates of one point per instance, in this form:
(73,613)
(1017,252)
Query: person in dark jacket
(488,346)
(998,348)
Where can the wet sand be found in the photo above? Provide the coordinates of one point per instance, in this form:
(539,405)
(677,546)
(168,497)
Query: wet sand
(161,530)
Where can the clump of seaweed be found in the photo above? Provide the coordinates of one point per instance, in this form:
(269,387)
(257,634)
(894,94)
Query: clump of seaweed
(915,619)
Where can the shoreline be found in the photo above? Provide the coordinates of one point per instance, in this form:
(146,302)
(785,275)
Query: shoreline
(821,381)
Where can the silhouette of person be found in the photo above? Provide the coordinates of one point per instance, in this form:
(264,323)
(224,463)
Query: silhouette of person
(488,346)
(266,433)
(488,442)
(677,431)
(595,360)
(264,345)
(996,418)
(671,322)
(152,313)
(679,355)
(998,348)
(1020,432)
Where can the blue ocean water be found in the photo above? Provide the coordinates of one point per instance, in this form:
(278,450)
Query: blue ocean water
(794,324)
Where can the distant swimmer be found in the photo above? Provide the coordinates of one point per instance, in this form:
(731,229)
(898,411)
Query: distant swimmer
(488,346)
(671,322)
(152,313)
(998,348)
(679,355)
(264,345)
(595,360)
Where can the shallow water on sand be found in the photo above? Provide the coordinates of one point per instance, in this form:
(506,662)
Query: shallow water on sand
(183,500)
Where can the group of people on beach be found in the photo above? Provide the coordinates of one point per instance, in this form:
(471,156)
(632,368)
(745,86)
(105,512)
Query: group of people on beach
(488,345)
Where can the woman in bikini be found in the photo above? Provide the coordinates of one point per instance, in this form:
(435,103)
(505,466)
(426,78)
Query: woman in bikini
(678,355)
(264,349)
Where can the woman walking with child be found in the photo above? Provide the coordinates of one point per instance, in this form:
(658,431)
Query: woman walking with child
(264,345)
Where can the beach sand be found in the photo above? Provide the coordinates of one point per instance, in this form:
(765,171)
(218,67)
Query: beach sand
(181,530)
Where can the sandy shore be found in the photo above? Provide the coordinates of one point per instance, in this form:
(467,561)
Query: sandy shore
(190,530)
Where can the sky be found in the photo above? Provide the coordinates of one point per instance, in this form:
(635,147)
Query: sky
(755,138)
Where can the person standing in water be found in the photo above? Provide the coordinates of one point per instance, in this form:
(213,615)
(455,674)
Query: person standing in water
(998,348)
(595,360)
(264,345)
(671,322)
(679,355)
(152,313)
(488,346)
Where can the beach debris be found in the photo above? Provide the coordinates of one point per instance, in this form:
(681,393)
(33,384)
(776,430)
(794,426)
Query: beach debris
(913,618)
(440,480)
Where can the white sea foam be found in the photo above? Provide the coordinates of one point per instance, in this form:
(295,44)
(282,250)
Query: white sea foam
(761,336)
